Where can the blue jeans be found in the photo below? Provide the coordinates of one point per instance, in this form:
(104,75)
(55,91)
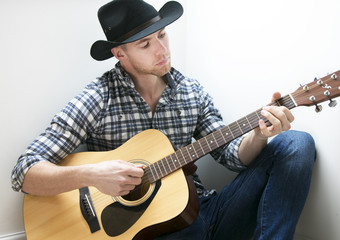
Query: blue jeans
(264,201)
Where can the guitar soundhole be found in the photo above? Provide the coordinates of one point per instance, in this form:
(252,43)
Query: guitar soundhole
(139,192)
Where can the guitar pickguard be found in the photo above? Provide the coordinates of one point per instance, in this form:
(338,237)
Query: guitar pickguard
(118,218)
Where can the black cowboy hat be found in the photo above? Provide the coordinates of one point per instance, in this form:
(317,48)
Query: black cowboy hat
(125,21)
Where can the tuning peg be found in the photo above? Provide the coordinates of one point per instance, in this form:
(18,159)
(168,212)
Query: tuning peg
(319,82)
(318,108)
(332,103)
(334,76)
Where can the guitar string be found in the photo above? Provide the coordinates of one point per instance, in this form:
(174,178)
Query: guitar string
(251,119)
(286,101)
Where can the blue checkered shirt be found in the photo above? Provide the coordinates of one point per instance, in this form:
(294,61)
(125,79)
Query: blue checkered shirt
(109,111)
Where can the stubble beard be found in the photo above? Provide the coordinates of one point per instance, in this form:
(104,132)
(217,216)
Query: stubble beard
(158,71)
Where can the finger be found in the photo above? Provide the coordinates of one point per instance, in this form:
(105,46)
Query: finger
(283,114)
(131,169)
(134,180)
(275,122)
(289,115)
(123,193)
(129,187)
(276,96)
(136,172)
(265,130)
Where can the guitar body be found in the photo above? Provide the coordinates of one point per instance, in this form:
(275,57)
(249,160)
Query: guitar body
(172,205)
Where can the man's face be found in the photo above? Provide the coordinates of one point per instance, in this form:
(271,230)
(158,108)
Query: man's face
(149,55)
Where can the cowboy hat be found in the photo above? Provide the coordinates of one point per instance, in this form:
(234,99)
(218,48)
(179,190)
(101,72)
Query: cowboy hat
(125,21)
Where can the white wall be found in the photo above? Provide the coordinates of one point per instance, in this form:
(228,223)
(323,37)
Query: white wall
(232,47)
(243,51)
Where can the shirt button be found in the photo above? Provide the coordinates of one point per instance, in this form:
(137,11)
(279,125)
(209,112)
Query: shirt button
(120,117)
(179,113)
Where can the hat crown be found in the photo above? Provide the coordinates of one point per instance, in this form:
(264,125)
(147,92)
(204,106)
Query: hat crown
(121,16)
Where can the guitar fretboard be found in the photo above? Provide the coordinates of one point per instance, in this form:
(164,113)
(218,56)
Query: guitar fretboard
(210,142)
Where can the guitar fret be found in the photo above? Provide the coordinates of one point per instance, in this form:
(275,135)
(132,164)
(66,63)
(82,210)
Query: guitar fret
(147,172)
(231,131)
(235,129)
(168,164)
(211,142)
(160,170)
(193,148)
(220,130)
(227,135)
(214,139)
(248,122)
(171,162)
(174,161)
(250,119)
(239,126)
(153,175)
(203,152)
(189,154)
(257,115)
(245,124)
(184,158)
(180,159)
(164,167)
(206,140)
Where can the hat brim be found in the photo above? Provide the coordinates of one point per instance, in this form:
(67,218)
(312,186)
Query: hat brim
(170,12)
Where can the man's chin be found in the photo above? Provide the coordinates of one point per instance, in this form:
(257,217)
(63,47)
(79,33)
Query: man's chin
(164,70)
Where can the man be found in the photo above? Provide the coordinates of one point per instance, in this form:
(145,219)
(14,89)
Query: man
(143,91)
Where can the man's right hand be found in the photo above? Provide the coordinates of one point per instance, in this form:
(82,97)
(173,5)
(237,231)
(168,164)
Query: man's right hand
(116,177)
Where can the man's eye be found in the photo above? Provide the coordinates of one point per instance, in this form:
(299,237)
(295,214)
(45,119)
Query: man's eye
(162,35)
(146,45)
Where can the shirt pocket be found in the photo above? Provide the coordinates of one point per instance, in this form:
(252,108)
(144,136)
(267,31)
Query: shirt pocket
(119,126)
(179,124)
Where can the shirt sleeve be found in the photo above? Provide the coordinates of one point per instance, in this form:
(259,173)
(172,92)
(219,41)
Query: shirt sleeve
(67,131)
(210,120)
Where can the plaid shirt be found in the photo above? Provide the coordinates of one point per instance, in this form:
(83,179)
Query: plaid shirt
(110,111)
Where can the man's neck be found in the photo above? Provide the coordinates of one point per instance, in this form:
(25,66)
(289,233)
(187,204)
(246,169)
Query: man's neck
(150,87)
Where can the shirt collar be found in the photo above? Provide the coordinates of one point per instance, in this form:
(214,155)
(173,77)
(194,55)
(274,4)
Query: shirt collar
(123,76)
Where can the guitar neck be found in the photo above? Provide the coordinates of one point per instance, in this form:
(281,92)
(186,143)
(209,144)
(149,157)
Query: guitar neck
(210,142)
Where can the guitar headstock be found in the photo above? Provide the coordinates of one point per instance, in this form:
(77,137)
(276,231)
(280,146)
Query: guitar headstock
(320,90)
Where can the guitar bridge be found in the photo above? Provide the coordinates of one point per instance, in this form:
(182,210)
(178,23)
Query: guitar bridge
(87,209)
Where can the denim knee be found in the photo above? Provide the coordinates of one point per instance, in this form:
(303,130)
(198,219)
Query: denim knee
(297,144)
(299,141)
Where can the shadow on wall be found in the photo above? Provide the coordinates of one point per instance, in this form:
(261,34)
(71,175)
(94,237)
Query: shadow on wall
(213,174)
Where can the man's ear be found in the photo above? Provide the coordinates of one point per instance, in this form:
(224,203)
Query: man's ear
(118,52)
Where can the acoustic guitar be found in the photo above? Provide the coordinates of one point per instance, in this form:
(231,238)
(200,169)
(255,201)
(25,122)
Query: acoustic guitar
(166,199)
